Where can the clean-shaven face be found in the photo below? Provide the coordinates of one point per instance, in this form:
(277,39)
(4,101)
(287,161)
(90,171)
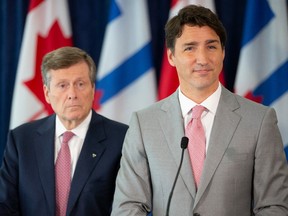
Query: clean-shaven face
(70,94)
(198,58)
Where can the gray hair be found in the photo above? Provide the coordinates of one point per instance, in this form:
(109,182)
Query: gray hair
(65,57)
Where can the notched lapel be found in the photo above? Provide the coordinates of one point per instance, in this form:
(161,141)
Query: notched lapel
(90,155)
(44,149)
(225,124)
(173,128)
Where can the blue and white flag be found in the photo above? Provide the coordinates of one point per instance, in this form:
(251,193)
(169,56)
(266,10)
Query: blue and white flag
(262,73)
(126,79)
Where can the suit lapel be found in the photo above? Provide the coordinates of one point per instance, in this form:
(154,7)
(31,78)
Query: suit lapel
(91,153)
(224,126)
(44,149)
(173,127)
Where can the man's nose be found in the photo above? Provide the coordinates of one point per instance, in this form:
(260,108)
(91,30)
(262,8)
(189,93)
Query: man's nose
(201,57)
(72,92)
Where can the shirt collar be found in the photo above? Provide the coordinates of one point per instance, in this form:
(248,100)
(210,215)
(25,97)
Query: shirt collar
(211,103)
(79,131)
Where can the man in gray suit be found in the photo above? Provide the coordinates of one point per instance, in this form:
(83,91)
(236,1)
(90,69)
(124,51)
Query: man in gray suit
(245,171)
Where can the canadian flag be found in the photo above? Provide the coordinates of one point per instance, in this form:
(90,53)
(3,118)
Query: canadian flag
(47,28)
(168,78)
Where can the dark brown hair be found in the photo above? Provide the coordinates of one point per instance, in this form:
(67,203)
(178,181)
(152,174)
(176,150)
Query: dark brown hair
(193,15)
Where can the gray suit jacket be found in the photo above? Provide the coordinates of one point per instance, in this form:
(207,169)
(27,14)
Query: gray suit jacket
(245,171)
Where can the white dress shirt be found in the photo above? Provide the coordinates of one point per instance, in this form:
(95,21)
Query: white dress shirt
(76,142)
(207,117)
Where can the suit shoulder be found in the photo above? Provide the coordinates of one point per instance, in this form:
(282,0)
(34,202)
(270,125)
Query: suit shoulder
(112,123)
(247,104)
(159,105)
(251,104)
(28,126)
(253,110)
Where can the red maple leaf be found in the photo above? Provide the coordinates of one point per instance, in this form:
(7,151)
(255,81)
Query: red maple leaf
(55,39)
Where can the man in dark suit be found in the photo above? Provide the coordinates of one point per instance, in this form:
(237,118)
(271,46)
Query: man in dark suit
(28,183)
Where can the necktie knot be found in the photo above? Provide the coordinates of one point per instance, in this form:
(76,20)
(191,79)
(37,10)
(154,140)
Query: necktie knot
(67,136)
(197,111)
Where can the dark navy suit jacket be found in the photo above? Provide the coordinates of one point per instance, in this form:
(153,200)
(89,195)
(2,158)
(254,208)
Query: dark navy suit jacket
(27,184)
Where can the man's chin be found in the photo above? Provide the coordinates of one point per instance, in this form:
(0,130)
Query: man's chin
(74,116)
(73,109)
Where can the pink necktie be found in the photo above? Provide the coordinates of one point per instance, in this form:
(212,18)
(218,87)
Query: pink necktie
(197,142)
(63,175)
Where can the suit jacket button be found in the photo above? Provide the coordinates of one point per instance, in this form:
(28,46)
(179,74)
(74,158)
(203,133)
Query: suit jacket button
(196,214)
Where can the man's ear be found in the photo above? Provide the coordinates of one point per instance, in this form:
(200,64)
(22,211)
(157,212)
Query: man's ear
(170,57)
(46,93)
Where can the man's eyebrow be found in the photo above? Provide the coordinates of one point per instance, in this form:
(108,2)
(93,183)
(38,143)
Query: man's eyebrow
(191,43)
(206,42)
(212,41)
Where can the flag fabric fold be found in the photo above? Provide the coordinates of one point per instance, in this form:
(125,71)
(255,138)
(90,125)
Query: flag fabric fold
(262,73)
(47,27)
(168,77)
(125,76)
